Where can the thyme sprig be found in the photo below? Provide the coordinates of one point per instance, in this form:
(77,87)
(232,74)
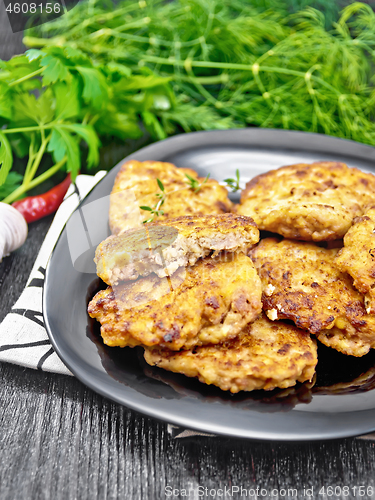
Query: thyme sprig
(234,184)
(155,211)
(194,184)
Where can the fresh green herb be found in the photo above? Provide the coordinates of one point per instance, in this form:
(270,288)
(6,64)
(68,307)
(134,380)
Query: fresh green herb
(97,73)
(194,184)
(234,184)
(155,211)
(12,182)
(161,185)
(238,63)
(54,99)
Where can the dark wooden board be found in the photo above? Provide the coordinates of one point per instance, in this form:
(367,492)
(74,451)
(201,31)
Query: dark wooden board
(10,43)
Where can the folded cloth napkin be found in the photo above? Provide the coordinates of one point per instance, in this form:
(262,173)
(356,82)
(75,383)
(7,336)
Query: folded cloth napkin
(23,338)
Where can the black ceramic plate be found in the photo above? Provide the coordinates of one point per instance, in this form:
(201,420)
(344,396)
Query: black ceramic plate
(342,402)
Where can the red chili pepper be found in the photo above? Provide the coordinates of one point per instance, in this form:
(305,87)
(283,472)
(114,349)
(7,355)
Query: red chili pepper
(35,207)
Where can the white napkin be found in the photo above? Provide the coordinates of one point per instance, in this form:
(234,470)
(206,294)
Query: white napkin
(23,338)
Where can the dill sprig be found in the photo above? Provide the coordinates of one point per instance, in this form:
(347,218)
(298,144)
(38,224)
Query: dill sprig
(237,63)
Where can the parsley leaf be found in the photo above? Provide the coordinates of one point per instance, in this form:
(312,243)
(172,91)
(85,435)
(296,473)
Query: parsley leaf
(57,146)
(153,125)
(54,69)
(88,134)
(33,54)
(5,102)
(62,144)
(70,146)
(67,100)
(13,181)
(95,89)
(6,158)
(28,110)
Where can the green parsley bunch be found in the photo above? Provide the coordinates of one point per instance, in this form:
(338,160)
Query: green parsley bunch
(54,99)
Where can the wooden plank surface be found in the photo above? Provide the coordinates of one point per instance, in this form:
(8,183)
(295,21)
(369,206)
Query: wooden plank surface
(10,43)
(60,440)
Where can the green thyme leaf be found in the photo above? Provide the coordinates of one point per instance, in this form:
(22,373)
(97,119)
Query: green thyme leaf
(206,179)
(160,184)
(234,184)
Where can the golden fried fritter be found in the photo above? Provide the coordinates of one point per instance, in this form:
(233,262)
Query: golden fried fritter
(140,177)
(165,246)
(265,355)
(358,256)
(207,303)
(354,340)
(277,400)
(301,282)
(314,202)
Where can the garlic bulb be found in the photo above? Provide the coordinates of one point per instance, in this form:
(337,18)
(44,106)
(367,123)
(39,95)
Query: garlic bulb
(13,229)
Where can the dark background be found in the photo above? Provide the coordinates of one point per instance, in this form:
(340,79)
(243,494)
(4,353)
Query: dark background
(60,440)
(10,43)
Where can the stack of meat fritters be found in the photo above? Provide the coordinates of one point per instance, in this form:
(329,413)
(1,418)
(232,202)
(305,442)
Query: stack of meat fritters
(207,311)
(197,295)
(307,283)
(206,303)
(209,301)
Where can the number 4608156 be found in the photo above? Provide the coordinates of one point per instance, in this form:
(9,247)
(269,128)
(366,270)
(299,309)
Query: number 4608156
(33,8)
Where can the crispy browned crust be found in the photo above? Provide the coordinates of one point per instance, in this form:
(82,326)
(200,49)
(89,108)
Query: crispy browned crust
(209,303)
(204,224)
(310,202)
(358,256)
(165,246)
(301,282)
(265,355)
(140,177)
